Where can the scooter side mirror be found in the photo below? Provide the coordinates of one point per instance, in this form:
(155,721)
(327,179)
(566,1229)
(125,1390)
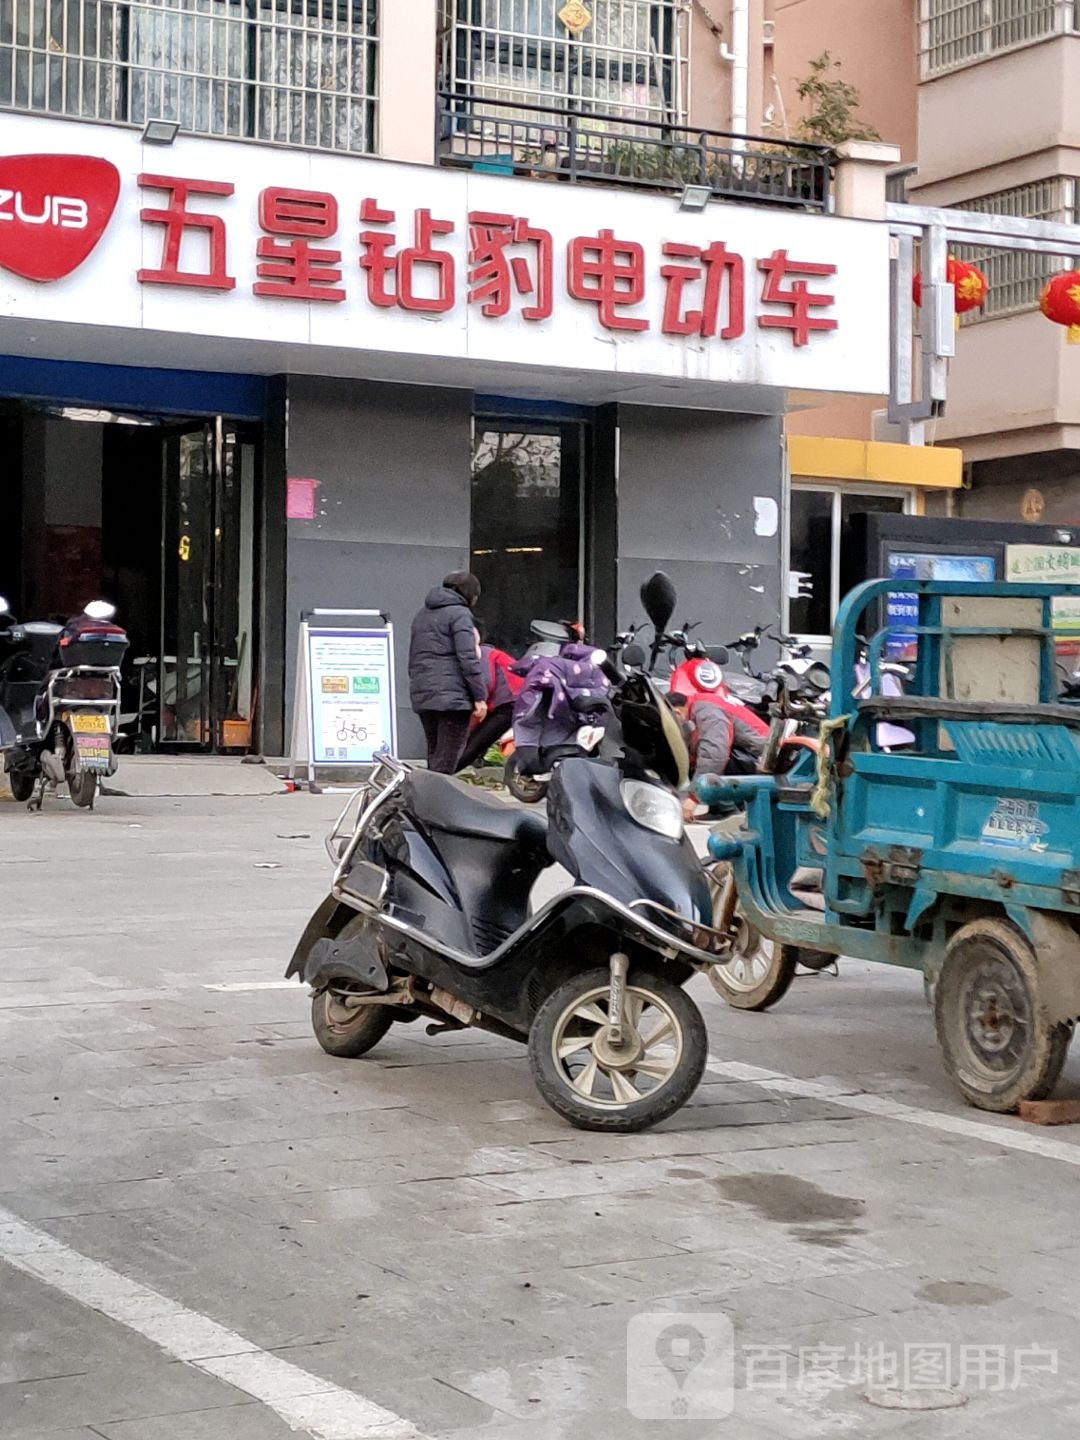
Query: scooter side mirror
(817,676)
(100,610)
(658,596)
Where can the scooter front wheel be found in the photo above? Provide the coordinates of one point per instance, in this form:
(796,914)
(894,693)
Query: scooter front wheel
(597,1086)
(758,972)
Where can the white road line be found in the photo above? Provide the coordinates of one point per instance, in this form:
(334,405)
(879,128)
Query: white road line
(1031,1143)
(302,1400)
(256,985)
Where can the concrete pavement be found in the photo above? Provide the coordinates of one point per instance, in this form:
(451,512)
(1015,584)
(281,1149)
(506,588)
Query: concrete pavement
(209,1228)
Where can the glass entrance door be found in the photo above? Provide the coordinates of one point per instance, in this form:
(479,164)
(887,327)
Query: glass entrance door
(527,530)
(204,680)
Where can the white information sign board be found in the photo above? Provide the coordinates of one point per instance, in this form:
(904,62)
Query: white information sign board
(1051,564)
(344,707)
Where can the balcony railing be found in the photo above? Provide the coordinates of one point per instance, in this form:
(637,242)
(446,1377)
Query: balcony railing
(507,138)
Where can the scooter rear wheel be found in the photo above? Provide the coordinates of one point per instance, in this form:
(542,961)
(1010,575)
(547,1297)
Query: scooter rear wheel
(594,1088)
(348,1034)
(523,787)
(82,787)
(22,784)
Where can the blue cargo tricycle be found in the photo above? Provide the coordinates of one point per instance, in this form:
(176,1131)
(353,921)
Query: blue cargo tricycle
(957,853)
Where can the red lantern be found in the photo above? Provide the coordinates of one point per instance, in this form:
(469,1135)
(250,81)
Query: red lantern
(1060,302)
(968,282)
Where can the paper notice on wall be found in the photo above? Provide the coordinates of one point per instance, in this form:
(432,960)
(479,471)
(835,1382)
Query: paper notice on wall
(766,515)
(300,498)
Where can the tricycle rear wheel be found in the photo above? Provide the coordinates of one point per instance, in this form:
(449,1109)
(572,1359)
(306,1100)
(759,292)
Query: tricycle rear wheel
(996,1041)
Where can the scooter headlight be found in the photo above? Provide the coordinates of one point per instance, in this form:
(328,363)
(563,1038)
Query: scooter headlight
(653,807)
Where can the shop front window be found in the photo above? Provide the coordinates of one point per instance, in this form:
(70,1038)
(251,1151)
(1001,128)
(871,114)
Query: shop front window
(526,527)
(817,532)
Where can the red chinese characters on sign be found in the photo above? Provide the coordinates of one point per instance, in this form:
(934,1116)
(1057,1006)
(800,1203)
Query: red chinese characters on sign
(800,302)
(290,265)
(496,275)
(708,268)
(611,273)
(511,266)
(180,222)
(393,275)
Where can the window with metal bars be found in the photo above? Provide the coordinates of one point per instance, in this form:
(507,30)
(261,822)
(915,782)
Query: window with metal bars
(1016,277)
(954,33)
(629,59)
(286,72)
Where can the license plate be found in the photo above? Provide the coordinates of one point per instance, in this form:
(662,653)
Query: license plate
(93,752)
(90,724)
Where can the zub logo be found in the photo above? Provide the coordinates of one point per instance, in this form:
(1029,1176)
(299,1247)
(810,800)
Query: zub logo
(53,211)
(65,211)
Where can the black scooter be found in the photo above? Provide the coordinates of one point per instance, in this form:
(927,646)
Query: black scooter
(429,914)
(60,702)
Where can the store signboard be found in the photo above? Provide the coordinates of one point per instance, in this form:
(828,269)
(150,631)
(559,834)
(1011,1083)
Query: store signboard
(902,607)
(254,250)
(344,708)
(1051,565)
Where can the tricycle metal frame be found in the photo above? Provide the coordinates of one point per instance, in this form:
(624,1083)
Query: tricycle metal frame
(978,820)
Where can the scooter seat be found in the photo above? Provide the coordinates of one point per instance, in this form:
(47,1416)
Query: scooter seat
(459,809)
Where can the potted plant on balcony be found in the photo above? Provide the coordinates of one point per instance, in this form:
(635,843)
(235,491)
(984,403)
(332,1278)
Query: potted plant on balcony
(834,105)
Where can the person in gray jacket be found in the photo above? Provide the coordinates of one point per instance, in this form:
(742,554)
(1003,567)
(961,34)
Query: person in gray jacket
(447,685)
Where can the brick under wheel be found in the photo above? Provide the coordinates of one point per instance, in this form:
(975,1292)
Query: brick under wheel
(619,1090)
(997,1042)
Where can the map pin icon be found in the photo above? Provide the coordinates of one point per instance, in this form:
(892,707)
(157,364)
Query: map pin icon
(680,1349)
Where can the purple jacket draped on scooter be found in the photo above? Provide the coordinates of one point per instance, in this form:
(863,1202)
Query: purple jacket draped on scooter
(549,708)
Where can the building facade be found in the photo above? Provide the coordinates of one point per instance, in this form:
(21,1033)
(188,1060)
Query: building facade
(982,97)
(304,304)
(1012,72)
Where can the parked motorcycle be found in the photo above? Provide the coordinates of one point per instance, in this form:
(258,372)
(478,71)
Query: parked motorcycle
(758,972)
(779,719)
(697,679)
(560,711)
(60,694)
(430,915)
